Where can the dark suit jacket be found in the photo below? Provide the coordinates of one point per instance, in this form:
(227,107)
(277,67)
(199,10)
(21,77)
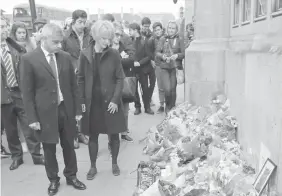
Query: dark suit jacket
(39,90)
(16,51)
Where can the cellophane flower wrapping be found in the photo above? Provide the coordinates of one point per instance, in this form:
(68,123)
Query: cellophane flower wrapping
(197,149)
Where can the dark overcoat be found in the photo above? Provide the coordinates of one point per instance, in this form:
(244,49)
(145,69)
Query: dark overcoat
(39,91)
(15,51)
(111,78)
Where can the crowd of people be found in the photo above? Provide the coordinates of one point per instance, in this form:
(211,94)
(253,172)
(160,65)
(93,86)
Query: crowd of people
(66,86)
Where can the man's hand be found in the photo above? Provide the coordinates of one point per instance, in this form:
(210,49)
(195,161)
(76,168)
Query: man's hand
(78,117)
(136,64)
(83,108)
(124,55)
(35,126)
(112,108)
(174,57)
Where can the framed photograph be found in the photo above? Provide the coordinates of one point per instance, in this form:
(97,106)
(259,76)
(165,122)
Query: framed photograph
(263,176)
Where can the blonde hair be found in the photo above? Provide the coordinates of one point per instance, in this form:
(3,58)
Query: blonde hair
(101,28)
(173,22)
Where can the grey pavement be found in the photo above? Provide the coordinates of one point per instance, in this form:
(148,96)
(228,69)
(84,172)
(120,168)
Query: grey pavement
(31,180)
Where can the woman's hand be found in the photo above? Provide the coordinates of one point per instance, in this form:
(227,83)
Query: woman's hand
(174,57)
(112,108)
(167,60)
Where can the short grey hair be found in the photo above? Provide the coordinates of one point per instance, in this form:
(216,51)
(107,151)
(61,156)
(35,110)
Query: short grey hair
(51,29)
(102,27)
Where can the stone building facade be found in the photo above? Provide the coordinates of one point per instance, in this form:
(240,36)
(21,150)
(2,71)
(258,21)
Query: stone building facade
(235,52)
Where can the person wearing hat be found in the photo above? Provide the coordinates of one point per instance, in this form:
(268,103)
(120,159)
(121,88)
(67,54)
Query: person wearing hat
(38,25)
(75,40)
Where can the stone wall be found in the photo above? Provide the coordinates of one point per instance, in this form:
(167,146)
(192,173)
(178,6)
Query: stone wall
(238,62)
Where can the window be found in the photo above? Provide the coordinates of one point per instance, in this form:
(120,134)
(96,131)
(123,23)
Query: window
(39,12)
(236,12)
(276,5)
(246,10)
(21,12)
(261,8)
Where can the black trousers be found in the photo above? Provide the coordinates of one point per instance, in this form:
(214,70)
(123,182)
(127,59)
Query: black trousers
(78,128)
(147,82)
(11,114)
(93,146)
(51,163)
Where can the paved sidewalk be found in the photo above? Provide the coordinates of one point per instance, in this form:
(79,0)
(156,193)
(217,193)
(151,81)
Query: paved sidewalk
(31,180)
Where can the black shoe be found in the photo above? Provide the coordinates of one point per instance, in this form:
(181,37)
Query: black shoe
(39,161)
(53,188)
(127,138)
(115,169)
(82,139)
(91,173)
(137,111)
(149,111)
(160,110)
(76,184)
(76,144)
(4,153)
(16,163)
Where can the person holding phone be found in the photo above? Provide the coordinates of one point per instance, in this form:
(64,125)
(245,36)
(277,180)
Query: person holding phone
(100,81)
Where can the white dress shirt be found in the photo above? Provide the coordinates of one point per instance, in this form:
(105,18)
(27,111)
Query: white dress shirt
(46,53)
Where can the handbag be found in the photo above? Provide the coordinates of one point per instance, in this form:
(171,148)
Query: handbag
(129,88)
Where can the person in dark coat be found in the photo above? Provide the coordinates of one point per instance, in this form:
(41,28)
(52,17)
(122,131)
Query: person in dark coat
(50,98)
(142,67)
(127,61)
(75,40)
(100,81)
(12,109)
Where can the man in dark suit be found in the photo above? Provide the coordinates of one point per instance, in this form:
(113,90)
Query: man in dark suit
(50,97)
(11,102)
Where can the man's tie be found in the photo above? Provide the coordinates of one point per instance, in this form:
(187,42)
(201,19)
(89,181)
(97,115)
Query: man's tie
(54,69)
(10,73)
